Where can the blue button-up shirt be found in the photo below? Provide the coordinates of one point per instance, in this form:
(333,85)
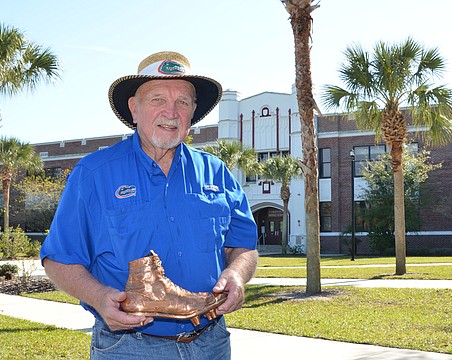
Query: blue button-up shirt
(118,205)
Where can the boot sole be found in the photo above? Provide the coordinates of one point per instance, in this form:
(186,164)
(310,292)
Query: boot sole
(209,312)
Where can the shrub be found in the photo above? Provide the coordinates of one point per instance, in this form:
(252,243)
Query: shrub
(381,240)
(34,248)
(297,249)
(14,243)
(346,240)
(8,270)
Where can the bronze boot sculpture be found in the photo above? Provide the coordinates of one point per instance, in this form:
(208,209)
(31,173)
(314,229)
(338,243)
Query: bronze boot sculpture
(150,293)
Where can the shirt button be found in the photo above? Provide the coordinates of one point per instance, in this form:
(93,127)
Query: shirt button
(171,218)
(179,253)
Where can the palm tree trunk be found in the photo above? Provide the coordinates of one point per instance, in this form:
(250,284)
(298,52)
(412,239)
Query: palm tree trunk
(301,25)
(6,185)
(399,209)
(284,241)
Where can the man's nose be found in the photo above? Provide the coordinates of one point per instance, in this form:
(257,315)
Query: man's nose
(171,109)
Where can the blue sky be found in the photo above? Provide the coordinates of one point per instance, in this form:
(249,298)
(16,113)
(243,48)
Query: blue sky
(247,45)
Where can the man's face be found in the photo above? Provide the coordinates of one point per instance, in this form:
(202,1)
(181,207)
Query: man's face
(162,111)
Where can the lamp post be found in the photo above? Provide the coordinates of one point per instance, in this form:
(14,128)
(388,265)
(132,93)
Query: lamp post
(352,155)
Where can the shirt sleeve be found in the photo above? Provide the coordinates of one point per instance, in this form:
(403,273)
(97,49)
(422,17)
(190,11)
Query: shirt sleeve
(67,241)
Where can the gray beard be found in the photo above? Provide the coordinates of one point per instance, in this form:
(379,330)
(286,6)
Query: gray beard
(165,144)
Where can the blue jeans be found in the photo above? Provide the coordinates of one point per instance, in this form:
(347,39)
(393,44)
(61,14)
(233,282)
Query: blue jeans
(212,344)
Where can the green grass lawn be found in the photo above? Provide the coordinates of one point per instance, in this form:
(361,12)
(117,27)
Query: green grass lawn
(361,268)
(20,340)
(58,296)
(298,260)
(419,319)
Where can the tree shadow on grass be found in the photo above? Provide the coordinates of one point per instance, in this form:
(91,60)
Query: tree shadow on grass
(261,295)
(28,329)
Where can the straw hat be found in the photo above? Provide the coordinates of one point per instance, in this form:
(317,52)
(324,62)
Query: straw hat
(163,65)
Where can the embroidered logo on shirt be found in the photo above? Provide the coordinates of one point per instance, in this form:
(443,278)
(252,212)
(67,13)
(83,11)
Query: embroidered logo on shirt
(211,188)
(125,191)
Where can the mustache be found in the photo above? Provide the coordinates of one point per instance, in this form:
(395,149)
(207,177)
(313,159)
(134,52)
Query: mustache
(168,122)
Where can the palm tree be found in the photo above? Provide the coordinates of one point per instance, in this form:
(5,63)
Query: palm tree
(377,85)
(234,155)
(282,169)
(15,156)
(301,21)
(23,64)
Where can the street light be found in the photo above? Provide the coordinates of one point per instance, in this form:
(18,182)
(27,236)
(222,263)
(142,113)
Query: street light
(352,155)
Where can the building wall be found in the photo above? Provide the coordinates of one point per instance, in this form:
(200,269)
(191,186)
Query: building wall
(341,136)
(269,122)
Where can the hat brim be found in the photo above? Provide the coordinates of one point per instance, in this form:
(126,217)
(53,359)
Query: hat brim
(208,94)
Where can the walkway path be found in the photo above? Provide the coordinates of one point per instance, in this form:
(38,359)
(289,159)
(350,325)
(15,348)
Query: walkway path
(246,345)
(427,284)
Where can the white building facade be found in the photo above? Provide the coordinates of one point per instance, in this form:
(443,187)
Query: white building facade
(265,122)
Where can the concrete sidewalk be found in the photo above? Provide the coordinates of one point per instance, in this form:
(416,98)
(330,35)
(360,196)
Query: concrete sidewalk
(373,283)
(246,345)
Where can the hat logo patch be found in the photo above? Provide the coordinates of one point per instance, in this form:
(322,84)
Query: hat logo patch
(171,68)
(126,191)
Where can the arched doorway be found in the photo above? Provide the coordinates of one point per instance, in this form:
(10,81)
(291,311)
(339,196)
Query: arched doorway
(269,220)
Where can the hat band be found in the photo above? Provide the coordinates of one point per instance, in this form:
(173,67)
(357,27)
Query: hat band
(165,68)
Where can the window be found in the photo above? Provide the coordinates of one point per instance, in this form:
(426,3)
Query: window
(325,216)
(44,154)
(363,154)
(360,219)
(54,172)
(325,163)
(265,111)
(413,147)
(261,157)
(251,178)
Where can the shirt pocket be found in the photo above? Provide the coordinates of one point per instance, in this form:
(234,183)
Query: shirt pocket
(130,227)
(209,216)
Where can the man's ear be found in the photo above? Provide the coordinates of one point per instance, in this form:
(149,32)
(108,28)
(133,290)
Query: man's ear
(132,103)
(194,108)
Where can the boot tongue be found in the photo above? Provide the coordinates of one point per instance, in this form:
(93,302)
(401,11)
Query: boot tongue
(156,262)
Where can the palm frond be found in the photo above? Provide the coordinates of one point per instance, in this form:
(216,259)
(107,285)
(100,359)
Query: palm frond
(431,63)
(336,97)
(355,73)
(393,75)
(234,155)
(24,64)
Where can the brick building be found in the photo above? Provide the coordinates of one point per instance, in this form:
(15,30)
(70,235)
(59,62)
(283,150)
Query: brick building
(269,123)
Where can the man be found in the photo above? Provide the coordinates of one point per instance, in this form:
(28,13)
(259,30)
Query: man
(151,192)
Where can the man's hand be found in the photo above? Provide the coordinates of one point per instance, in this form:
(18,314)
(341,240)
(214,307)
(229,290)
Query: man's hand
(78,282)
(108,306)
(241,265)
(233,284)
